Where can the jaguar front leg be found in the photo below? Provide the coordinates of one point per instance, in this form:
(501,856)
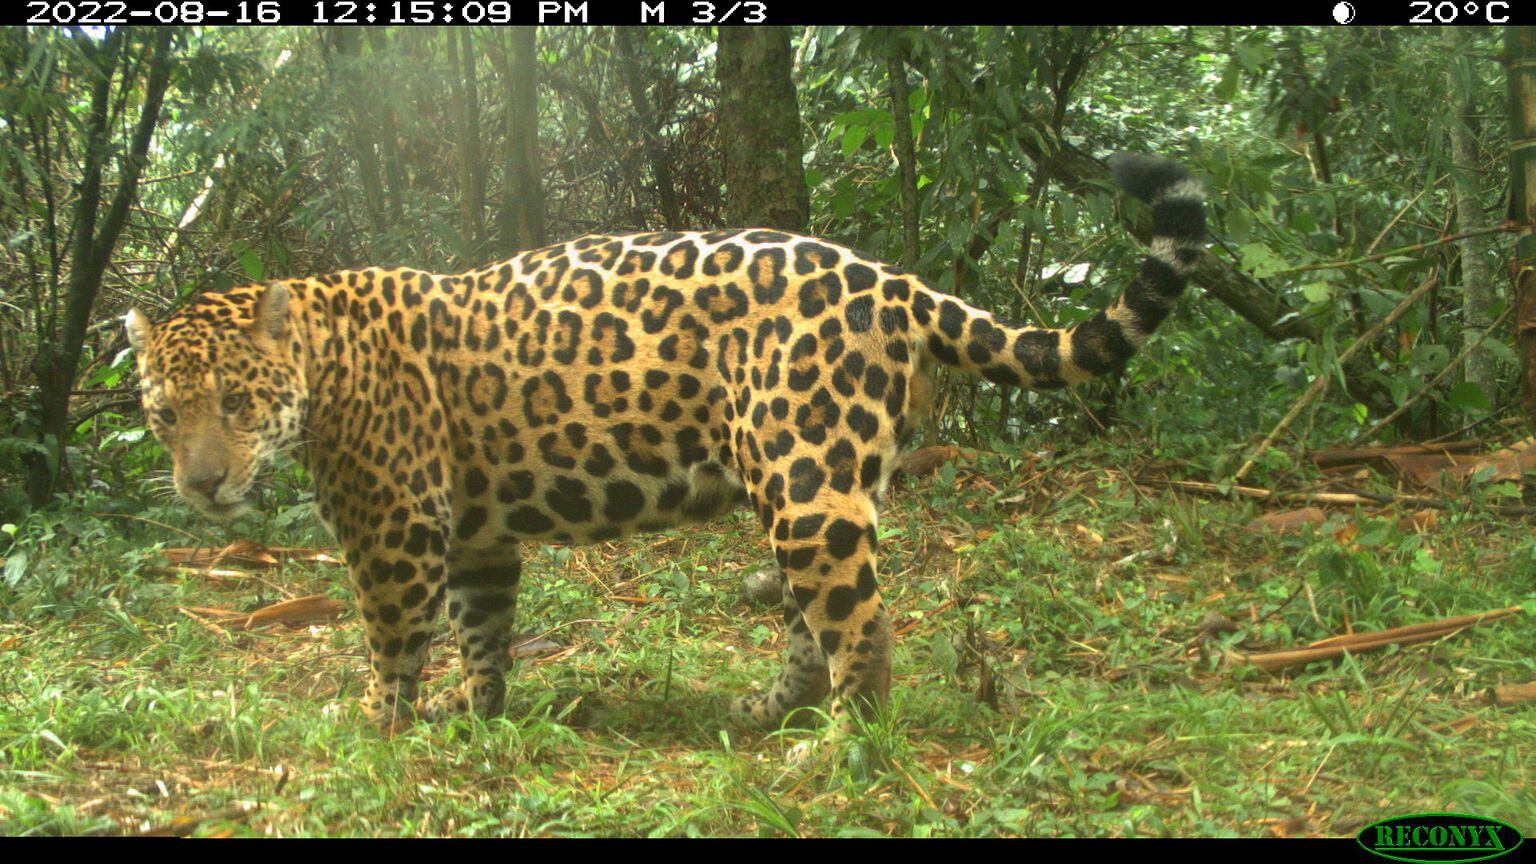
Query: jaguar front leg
(398,594)
(482,603)
(804,680)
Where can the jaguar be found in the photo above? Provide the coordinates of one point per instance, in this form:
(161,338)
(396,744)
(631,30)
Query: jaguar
(609,385)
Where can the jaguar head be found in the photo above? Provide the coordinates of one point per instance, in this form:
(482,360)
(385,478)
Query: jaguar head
(223,391)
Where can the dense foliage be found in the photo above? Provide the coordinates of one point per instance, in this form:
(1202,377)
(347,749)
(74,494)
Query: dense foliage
(278,153)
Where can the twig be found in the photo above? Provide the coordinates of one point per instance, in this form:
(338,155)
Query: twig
(1321,383)
(1357,643)
(1400,214)
(204,621)
(1401,250)
(201,541)
(1459,359)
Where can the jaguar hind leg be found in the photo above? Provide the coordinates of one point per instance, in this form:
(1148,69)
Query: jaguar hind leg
(826,549)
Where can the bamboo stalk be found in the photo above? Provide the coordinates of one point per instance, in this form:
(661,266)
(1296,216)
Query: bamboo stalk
(1456,623)
(1335,498)
(1317,387)
(1353,455)
(1357,643)
(1457,361)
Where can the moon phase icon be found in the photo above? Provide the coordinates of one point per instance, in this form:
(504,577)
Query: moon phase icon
(1343,12)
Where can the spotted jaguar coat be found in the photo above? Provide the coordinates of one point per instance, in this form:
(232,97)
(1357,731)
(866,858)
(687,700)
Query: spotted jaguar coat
(597,388)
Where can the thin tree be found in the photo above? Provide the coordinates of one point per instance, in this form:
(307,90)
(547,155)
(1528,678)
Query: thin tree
(522,194)
(348,42)
(1520,75)
(628,42)
(466,105)
(95,223)
(897,53)
(1476,280)
(760,130)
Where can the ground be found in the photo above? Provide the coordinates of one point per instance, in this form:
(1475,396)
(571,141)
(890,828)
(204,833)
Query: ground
(1043,686)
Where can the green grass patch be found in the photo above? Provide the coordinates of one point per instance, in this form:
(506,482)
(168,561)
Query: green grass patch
(1044,685)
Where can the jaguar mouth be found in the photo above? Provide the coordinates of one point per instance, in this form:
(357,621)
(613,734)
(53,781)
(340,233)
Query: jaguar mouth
(224,512)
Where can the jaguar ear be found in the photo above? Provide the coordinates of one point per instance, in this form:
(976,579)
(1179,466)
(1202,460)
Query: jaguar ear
(138,328)
(272,311)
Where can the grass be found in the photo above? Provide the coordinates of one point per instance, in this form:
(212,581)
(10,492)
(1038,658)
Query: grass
(1113,715)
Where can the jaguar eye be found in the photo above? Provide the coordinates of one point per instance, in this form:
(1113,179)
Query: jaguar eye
(233,402)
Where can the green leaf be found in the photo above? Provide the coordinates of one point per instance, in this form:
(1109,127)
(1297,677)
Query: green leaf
(1240,225)
(944,655)
(852,138)
(250,262)
(1500,350)
(842,204)
(1226,88)
(15,566)
(1316,292)
(885,133)
(1261,261)
(1468,396)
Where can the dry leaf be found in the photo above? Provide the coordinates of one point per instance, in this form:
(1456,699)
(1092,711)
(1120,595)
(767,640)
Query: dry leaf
(1448,471)
(1288,521)
(1214,623)
(1514,694)
(299,610)
(532,645)
(926,460)
(1419,521)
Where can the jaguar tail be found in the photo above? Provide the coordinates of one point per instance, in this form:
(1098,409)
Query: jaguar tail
(1007,352)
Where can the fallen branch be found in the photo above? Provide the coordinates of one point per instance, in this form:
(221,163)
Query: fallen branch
(1357,643)
(1343,499)
(1334,457)
(1317,387)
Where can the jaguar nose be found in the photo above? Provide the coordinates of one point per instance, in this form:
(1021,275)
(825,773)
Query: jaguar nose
(209,485)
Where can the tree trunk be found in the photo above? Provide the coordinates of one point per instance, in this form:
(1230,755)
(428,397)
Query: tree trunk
(760,130)
(91,249)
(389,136)
(522,195)
(906,151)
(349,44)
(1520,72)
(466,105)
(1477,282)
(627,41)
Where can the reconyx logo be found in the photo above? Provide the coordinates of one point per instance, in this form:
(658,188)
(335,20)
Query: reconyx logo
(1439,838)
